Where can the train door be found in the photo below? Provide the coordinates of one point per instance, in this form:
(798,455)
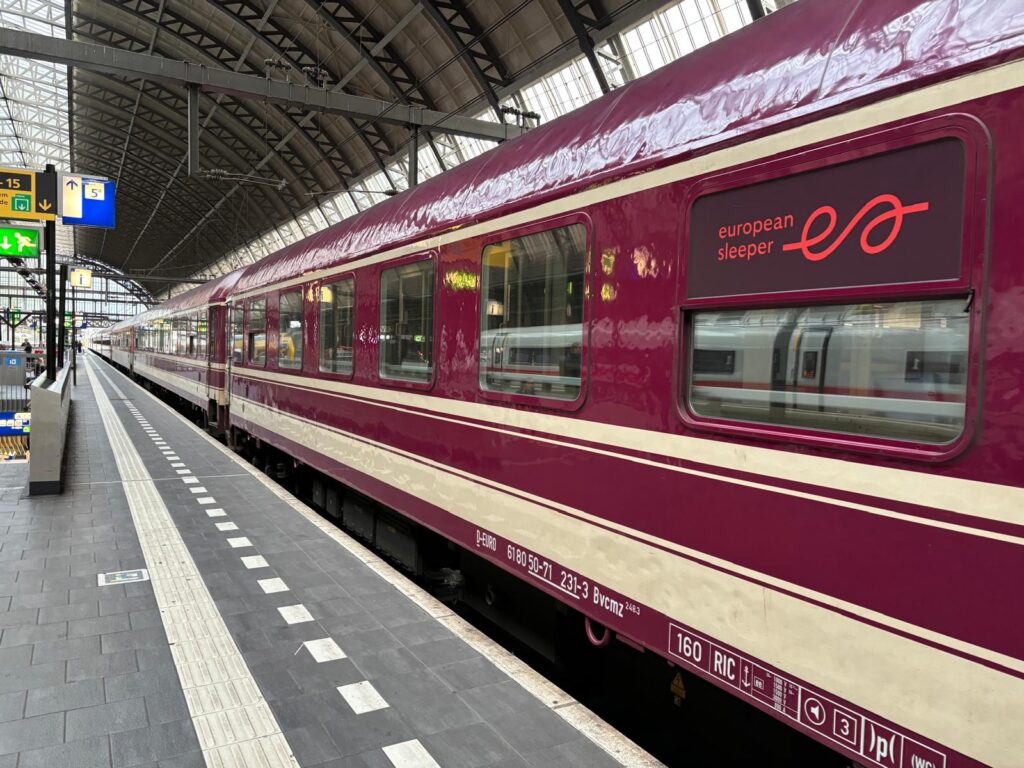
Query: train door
(204,358)
(809,371)
(230,332)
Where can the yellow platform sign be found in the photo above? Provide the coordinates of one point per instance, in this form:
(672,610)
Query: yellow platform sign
(26,194)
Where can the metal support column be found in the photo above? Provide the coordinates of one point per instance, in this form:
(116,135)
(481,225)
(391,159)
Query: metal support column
(50,243)
(74,344)
(60,313)
(756,9)
(193,130)
(414,157)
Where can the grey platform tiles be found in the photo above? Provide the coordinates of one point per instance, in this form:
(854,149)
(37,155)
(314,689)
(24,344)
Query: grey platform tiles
(86,676)
(351,672)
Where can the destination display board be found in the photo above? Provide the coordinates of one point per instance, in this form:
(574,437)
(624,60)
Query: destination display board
(15,423)
(886,219)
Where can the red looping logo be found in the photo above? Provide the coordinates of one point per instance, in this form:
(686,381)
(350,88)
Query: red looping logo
(895,212)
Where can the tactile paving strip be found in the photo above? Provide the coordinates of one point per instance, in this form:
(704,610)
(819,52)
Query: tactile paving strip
(235,725)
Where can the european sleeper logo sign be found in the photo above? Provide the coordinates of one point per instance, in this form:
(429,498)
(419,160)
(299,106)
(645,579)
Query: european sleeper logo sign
(829,227)
(894,211)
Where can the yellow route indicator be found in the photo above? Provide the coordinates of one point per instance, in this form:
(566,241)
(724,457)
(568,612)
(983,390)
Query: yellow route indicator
(26,194)
(81,278)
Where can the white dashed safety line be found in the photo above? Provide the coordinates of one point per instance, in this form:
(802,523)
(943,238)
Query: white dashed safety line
(325,649)
(412,754)
(233,721)
(295,614)
(270,586)
(362,697)
(206,500)
(216,512)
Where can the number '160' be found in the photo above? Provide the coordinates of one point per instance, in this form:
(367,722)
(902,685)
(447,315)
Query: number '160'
(689,648)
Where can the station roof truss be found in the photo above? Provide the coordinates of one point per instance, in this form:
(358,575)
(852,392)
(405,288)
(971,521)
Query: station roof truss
(306,111)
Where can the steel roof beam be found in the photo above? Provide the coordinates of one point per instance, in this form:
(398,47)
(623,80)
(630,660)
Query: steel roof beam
(240,112)
(184,37)
(620,21)
(212,80)
(579,25)
(371,57)
(172,118)
(470,44)
(287,48)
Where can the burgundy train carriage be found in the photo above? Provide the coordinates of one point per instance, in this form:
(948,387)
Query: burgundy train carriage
(181,346)
(729,360)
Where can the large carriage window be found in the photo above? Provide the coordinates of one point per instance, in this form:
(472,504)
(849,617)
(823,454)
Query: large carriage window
(336,302)
(531,327)
(896,371)
(289,338)
(257,329)
(407,322)
(235,341)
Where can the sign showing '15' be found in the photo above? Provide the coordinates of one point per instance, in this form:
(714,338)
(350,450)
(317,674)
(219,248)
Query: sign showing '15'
(26,194)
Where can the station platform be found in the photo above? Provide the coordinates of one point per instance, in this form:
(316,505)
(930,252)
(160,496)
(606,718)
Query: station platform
(258,636)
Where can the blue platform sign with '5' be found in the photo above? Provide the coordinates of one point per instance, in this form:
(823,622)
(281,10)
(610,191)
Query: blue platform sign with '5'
(87,202)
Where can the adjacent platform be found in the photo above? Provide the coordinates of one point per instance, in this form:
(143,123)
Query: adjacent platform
(262,637)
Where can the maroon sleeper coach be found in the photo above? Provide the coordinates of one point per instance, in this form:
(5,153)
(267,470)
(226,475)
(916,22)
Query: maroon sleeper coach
(730,360)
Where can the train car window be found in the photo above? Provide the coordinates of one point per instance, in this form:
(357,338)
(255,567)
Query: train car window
(182,335)
(193,334)
(257,332)
(289,327)
(531,325)
(235,341)
(202,335)
(336,303)
(407,322)
(895,370)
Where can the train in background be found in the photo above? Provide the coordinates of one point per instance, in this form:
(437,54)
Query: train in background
(727,364)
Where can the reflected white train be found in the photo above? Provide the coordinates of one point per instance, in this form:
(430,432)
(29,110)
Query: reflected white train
(832,365)
(533,360)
